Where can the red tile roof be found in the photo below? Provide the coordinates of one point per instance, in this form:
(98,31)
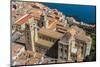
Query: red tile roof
(23,20)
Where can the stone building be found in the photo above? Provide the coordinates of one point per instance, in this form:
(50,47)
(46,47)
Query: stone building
(47,41)
(64,48)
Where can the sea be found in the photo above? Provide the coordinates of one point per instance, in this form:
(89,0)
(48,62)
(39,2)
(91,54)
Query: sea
(82,13)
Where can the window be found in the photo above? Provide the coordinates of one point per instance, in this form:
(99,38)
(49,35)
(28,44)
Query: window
(28,42)
(60,45)
(27,33)
(53,40)
(66,46)
(61,57)
(43,37)
(65,58)
(65,51)
(61,50)
(46,38)
(52,60)
(39,36)
(28,37)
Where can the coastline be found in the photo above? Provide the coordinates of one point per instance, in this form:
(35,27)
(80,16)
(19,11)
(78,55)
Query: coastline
(79,12)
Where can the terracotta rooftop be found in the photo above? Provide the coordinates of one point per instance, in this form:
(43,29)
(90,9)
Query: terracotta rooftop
(80,34)
(23,19)
(66,37)
(78,30)
(33,13)
(72,31)
(84,38)
(50,33)
(52,24)
(44,43)
(61,27)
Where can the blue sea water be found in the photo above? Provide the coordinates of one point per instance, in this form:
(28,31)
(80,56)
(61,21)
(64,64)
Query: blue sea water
(86,13)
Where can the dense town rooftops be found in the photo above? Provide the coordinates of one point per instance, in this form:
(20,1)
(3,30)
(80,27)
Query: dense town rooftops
(28,57)
(37,5)
(16,48)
